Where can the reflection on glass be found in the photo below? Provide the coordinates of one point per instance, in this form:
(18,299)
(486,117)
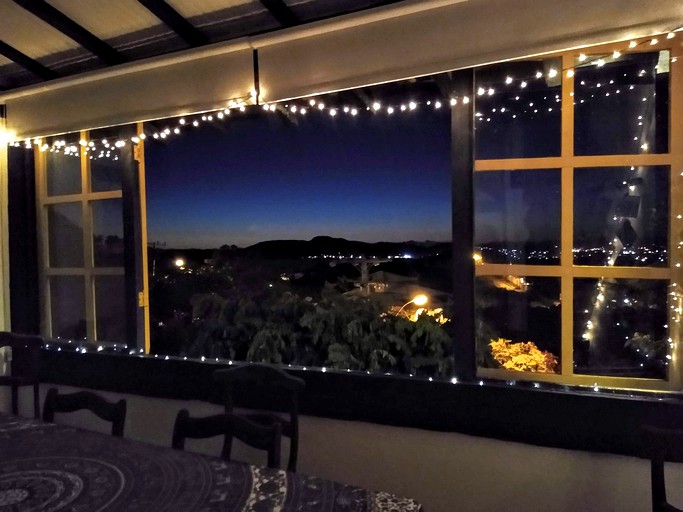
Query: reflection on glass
(517,216)
(621,216)
(518,110)
(518,323)
(109,308)
(620,327)
(111,155)
(314,259)
(63,171)
(65,234)
(107,218)
(622,106)
(67,307)
(105,173)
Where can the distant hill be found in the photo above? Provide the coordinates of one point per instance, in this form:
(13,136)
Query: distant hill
(325,245)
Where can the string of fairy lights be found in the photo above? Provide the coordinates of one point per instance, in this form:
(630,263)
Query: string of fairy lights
(108,148)
(84,348)
(514,88)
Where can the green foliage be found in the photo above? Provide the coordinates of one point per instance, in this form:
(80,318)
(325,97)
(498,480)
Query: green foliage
(264,324)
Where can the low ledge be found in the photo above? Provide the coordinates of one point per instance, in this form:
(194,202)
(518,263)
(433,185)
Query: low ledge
(597,422)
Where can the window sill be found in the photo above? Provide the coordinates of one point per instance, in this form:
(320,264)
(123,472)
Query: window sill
(581,420)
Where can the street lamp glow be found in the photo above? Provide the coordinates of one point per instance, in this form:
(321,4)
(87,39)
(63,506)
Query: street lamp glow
(420,300)
(179,262)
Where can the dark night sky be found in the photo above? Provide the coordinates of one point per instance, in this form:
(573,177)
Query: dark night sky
(380,177)
(255,178)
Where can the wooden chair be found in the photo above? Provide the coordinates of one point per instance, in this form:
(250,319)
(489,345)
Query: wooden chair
(229,425)
(271,380)
(114,412)
(661,445)
(24,367)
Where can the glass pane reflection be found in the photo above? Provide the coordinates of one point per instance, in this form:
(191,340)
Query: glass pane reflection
(67,307)
(518,323)
(518,109)
(109,305)
(622,107)
(517,216)
(65,234)
(108,232)
(620,327)
(63,170)
(621,216)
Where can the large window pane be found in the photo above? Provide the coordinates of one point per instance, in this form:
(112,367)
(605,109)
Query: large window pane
(67,307)
(518,323)
(109,156)
(107,218)
(109,308)
(621,216)
(65,234)
(64,167)
(105,173)
(314,259)
(622,105)
(620,327)
(517,216)
(518,109)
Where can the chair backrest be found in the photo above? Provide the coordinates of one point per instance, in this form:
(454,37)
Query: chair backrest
(25,354)
(661,445)
(229,425)
(268,378)
(114,412)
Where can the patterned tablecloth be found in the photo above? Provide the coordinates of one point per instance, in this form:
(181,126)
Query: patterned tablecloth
(46,467)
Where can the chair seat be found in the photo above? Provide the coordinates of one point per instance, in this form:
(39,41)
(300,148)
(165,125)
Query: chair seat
(114,412)
(24,367)
(256,435)
(271,382)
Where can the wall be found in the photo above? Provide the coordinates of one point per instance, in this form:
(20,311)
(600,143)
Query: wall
(444,471)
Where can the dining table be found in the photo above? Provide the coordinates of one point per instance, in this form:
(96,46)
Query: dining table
(49,467)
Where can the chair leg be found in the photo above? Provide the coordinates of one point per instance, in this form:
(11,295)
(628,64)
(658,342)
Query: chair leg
(36,400)
(15,399)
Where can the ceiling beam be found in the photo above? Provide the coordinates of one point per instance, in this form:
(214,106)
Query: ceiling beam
(27,62)
(73,30)
(281,12)
(176,22)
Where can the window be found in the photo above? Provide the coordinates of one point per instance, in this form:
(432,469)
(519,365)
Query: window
(314,233)
(317,232)
(578,240)
(81,222)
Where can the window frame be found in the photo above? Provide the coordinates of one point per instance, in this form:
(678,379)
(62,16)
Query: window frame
(567,271)
(89,272)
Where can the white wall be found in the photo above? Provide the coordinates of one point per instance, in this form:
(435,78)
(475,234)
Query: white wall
(446,472)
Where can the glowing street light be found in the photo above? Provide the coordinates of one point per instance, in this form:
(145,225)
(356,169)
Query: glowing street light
(179,262)
(418,300)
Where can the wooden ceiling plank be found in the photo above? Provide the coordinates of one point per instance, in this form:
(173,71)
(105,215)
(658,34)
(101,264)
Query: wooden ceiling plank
(176,22)
(27,62)
(68,27)
(281,12)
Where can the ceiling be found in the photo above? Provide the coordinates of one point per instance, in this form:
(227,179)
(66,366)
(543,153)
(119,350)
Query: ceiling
(41,40)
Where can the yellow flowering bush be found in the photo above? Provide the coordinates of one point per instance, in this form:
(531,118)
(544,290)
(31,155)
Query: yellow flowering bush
(523,356)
